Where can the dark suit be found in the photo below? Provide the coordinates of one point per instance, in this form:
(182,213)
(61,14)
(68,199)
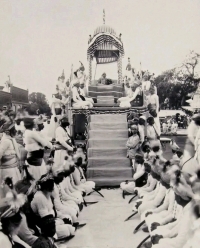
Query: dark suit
(105,81)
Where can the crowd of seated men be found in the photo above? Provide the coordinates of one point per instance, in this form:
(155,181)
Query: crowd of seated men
(166,193)
(41,199)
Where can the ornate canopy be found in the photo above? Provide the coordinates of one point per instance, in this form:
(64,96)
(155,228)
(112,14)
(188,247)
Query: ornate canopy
(105,46)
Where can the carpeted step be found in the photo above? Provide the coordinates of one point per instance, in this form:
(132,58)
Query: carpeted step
(99,143)
(107,152)
(103,105)
(117,172)
(108,162)
(100,88)
(106,93)
(109,117)
(109,182)
(105,100)
(108,134)
(108,125)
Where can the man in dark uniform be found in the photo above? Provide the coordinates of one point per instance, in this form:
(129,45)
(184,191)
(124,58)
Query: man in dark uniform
(104,81)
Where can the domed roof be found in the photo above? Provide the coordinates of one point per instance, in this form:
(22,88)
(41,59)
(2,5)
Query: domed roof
(104,29)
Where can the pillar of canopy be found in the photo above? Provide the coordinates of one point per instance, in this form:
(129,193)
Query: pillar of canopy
(90,69)
(119,66)
(106,48)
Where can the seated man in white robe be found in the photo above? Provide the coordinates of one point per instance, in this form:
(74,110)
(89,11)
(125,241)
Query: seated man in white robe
(83,94)
(164,127)
(42,205)
(78,102)
(139,177)
(72,193)
(126,101)
(80,179)
(61,206)
(174,127)
(64,141)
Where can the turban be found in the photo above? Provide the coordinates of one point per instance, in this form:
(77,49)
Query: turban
(7,126)
(45,177)
(75,82)
(28,121)
(134,126)
(143,117)
(64,118)
(155,143)
(22,186)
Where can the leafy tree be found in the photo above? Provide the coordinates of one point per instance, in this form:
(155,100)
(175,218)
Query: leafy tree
(38,102)
(178,82)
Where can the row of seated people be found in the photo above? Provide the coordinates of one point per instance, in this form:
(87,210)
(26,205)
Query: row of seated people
(38,213)
(168,199)
(54,189)
(140,131)
(134,92)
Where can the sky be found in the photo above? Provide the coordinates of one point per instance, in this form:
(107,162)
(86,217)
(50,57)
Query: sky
(40,38)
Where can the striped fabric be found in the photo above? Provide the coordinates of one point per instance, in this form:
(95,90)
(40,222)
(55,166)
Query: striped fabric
(119,65)
(106,41)
(90,69)
(106,60)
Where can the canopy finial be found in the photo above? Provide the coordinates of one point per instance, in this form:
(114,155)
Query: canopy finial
(104,16)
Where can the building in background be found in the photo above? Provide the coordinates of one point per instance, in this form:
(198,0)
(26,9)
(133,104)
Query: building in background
(13,97)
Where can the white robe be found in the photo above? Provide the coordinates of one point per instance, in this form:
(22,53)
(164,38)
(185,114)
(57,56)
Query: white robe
(34,141)
(177,236)
(62,136)
(78,102)
(42,206)
(62,208)
(87,186)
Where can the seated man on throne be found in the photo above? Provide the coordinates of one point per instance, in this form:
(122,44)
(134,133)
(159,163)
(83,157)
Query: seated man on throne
(104,81)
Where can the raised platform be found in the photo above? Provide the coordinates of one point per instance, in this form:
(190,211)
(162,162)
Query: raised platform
(108,95)
(107,134)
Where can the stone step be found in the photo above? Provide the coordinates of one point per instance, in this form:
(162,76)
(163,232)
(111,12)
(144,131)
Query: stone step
(108,162)
(109,182)
(118,172)
(107,152)
(108,125)
(108,134)
(109,117)
(112,143)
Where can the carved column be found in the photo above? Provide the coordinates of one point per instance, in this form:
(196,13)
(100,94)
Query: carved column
(119,67)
